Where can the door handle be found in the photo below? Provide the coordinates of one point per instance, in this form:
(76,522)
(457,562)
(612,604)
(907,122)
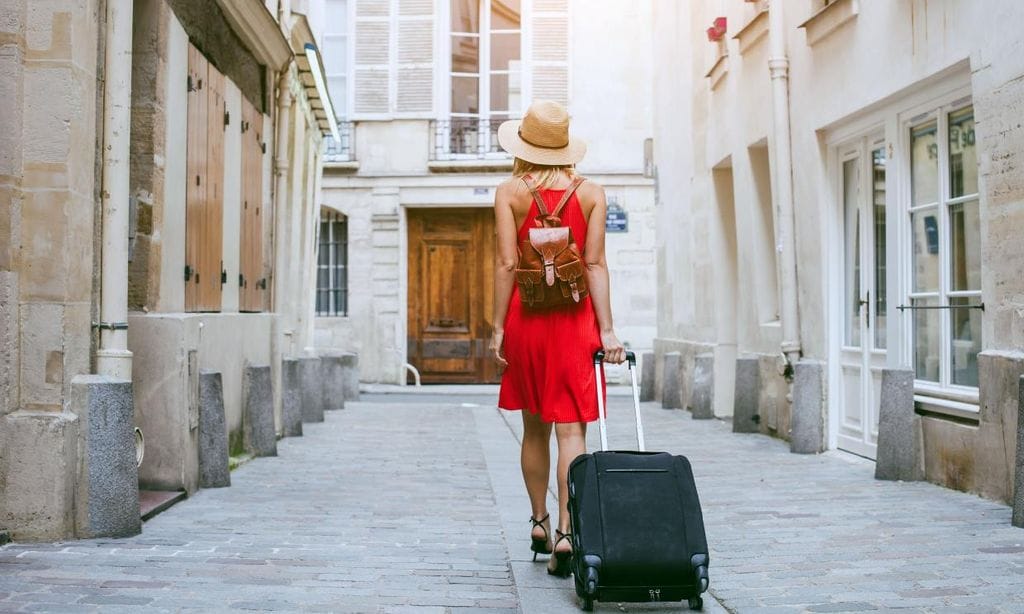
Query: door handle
(867,312)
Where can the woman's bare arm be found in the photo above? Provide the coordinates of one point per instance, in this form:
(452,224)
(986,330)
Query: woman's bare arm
(597,278)
(507,257)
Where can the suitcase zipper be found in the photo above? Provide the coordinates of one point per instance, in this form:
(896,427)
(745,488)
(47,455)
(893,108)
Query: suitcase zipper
(635,470)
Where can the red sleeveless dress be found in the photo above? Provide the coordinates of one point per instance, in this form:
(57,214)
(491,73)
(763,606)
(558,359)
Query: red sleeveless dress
(550,353)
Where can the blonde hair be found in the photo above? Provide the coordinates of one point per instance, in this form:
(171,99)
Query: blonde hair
(544,175)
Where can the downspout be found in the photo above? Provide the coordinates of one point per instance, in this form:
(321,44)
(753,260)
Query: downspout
(778,65)
(282,234)
(113,357)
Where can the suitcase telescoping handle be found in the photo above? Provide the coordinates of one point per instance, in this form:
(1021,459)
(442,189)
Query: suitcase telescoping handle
(631,359)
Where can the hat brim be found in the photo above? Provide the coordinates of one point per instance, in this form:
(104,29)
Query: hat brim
(510,141)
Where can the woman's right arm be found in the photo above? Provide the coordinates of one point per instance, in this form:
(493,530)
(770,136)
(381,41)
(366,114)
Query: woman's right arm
(507,257)
(597,278)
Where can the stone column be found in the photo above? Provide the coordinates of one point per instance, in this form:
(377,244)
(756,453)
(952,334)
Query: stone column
(332,381)
(214,470)
(702,402)
(312,390)
(745,414)
(647,376)
(291,397)
(672,381)
(1018,491)
(350,375)
(807,424)
(107,493)
(899,429)
(258,412)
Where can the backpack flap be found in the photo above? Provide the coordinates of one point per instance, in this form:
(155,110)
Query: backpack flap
(549,242)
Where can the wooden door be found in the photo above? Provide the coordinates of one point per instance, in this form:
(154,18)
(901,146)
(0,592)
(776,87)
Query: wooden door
(451,285)
(863,343)
(204,192)
(252,280)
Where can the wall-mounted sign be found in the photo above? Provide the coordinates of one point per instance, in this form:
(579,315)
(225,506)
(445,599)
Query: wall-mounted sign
(617,220)
(481,191)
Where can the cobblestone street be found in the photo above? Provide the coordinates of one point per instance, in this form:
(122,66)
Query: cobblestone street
(415,503)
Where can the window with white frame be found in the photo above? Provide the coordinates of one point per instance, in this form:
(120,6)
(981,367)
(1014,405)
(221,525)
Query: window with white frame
(335,54)
(332,265)
(945,278)
(486,72)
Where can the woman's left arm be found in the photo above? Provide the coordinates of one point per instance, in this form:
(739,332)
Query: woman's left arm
(507,257)
(598,279)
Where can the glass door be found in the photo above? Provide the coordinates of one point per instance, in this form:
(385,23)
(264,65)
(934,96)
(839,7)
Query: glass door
(863,342)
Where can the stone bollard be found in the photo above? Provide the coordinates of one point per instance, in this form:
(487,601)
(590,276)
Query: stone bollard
(672,381)
(745,412)
(107,492)
(1018,491)
(312,390)
(213,433)
(258,412)
(291,398)
(807,423)
(899,439)
(702,402)
(350,369)
(647,376)
(332,380)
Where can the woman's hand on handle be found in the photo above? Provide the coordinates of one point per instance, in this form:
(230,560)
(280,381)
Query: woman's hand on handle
(497,340)
(614,351)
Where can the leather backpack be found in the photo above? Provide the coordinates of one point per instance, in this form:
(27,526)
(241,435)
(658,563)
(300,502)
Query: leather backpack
(550,272)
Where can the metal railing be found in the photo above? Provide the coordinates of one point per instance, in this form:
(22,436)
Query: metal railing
(345,150)
(465,138)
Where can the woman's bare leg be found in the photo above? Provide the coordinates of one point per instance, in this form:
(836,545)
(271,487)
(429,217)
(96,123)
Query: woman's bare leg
(536,462)
(572,441)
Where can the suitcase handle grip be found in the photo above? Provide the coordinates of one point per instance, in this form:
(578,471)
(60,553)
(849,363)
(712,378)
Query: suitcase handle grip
(601,411)
(630,357)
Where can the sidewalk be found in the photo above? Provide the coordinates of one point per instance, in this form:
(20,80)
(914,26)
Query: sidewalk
(394,505)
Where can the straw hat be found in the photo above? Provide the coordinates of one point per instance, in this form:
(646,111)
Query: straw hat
(542,136)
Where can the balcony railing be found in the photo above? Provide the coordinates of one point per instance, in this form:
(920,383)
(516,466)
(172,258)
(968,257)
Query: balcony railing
(465,138)
(345,150)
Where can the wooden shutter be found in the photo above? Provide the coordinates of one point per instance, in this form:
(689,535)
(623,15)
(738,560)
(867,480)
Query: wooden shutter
(415,87)
(550,50)
(252,278)
(204,193)
(372,62)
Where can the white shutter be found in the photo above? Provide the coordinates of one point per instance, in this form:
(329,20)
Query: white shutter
(550,50)
(372,62)
(414,91)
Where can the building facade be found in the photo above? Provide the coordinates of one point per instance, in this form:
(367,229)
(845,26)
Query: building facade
(423,86)
(840,206)
(160,169)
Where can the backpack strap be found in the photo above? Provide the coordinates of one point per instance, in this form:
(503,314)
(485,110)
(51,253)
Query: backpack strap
(568,194)
(532,185)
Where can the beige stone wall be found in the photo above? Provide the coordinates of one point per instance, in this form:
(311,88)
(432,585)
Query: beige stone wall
(48,181)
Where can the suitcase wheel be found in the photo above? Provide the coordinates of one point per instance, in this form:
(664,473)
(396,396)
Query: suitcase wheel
(586,604)
(695,603)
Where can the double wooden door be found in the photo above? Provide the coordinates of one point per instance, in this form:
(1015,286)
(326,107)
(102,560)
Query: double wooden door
(451,290)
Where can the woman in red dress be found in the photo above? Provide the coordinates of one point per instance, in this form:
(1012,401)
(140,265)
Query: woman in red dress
(547,354)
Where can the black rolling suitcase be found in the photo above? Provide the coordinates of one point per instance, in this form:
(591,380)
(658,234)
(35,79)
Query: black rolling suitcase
(638,531)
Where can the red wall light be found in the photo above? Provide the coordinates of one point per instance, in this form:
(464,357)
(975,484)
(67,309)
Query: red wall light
(717,30)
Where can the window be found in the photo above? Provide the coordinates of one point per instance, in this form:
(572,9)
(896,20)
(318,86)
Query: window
(335,54)
(945,280)
(486,72)
(332,266)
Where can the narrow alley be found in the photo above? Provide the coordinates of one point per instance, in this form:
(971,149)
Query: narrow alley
(414,503)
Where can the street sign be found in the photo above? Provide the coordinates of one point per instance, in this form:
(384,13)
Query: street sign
(617,220)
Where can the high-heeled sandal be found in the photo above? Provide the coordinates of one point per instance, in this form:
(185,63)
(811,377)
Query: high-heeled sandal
(561,558)
(539,545)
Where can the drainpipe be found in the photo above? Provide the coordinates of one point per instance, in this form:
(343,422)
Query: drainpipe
(113,357)
(282,211)
(778,65)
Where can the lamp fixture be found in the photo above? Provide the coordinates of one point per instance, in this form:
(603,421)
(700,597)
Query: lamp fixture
(313,56)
